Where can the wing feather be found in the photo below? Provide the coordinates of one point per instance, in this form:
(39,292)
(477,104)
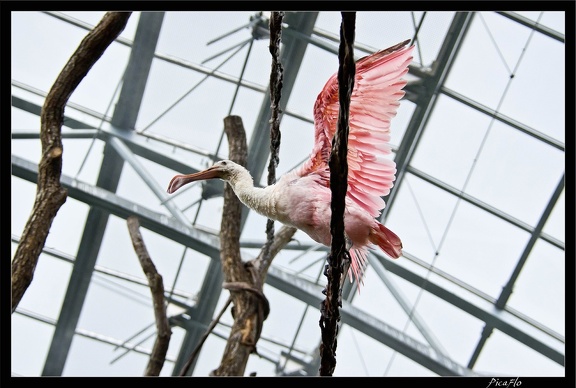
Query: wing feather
(374,102)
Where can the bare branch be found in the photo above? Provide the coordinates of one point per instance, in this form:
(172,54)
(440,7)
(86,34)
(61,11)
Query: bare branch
(50,195)
(281,238)
(162,342)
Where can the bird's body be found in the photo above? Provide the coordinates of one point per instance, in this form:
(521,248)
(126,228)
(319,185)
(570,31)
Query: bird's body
(302,197)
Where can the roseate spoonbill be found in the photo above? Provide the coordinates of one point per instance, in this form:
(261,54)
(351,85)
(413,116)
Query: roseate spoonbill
(301,198)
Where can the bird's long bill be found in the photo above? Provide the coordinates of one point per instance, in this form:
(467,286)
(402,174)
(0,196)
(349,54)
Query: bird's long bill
(181,180)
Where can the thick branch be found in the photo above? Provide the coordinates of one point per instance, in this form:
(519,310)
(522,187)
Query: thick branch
(248,310)
(50,195)
(231,213)
(162,342)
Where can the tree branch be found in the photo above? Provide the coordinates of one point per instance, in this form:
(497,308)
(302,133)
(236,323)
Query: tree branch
(50,195)
(162,342)
(243,280)
(248,310)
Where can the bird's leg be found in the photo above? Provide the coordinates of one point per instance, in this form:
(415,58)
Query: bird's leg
(348,242)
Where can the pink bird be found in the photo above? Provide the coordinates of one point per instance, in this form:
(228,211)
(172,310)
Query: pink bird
(301,198)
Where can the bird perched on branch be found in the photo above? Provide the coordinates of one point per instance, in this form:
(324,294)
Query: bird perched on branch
(301,198)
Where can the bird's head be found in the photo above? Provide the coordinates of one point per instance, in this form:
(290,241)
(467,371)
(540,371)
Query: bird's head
(224,169)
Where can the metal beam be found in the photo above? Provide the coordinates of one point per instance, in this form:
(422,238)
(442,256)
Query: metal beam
(202,314)
(475,305)
(92,335)
(150,181)
(165,57)
(504,119)
(427,100)
(116,274)
(533,25)
(33,108)
(312,294)
(507,290)
(484,206)
(509,287)
(33,134)
(197,239)
(405,304)
(69,104)
(138,142)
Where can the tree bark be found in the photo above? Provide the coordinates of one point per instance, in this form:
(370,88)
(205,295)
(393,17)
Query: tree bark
(250,307)
(164,332)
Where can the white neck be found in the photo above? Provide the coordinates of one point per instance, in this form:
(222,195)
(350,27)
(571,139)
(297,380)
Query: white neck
(261,200)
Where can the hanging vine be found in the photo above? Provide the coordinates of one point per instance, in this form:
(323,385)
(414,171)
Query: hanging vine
(339,257)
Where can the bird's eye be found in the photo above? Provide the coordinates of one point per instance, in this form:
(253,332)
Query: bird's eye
(223,162)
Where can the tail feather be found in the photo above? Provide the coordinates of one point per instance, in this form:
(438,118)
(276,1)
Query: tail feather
(387,240)
(357,267)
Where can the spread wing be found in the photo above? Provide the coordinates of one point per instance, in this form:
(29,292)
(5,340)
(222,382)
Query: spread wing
(375,99)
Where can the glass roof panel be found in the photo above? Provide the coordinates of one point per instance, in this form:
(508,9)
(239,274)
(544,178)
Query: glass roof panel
(469,194)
